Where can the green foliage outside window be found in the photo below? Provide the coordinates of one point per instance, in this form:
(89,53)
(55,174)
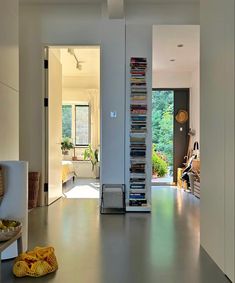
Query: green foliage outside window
(159,163)
(67,121)
(162,124)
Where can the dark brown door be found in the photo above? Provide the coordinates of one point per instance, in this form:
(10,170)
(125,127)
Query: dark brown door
(180,145)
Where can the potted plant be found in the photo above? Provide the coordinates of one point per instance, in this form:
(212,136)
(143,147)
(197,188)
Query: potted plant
(92,155)
(66,145)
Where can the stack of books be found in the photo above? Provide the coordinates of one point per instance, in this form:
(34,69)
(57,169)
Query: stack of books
(138,129)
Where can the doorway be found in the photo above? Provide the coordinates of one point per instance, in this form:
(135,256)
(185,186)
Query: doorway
(162,135)
(72,122)
(169,133)
(175,102)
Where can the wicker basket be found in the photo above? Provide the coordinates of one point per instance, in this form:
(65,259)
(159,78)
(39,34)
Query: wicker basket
(10,232)
(1,184)
(34,179)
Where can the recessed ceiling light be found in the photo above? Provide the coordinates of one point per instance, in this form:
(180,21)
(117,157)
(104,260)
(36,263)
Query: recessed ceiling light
(180,45)
(172,60)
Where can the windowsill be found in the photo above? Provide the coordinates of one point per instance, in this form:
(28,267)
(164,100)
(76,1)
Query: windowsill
(70,159)
(80,160)
(80,146)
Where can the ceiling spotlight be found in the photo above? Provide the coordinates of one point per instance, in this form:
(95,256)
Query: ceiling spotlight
(79,66)
(172,60)
(180,45)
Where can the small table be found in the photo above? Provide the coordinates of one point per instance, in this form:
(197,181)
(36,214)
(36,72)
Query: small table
(6,244)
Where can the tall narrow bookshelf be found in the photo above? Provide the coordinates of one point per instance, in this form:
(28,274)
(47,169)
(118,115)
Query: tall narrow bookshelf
(137,194)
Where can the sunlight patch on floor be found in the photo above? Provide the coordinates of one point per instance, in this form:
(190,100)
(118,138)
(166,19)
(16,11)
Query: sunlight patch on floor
(83,191)
(166,179)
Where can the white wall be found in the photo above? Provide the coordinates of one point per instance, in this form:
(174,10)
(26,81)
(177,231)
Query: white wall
(217,132)
(9,81)
(195,104)
(79,25)
(171,79)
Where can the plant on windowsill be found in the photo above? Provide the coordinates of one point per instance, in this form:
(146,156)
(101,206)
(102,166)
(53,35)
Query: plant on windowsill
(92,155)
(66,145)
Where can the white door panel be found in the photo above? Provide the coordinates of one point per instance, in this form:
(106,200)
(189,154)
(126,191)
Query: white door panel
(54,127)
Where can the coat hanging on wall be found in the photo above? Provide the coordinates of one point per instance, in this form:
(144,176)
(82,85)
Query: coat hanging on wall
(196,149)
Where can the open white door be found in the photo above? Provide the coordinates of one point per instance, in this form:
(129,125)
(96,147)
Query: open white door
(53,127)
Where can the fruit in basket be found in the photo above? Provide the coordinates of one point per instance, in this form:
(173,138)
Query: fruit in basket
(8,229)
(2,226)
(12,224)
(5,224)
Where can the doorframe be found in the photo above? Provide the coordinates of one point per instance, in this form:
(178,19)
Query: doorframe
(44,56)
(169,89)
(45,124)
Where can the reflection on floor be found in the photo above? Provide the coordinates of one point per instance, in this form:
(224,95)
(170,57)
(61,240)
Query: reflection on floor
(166,179)
(82,188)
(159,247)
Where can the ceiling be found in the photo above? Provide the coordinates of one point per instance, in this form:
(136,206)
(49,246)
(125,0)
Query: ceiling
(89,57)
(100,1)
(87,76)
(165,41)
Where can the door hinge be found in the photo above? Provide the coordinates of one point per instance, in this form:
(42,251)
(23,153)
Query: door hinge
(45,187)
(45,102)
(45,64)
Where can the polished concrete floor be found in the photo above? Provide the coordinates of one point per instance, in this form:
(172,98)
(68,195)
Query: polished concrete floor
(134,248)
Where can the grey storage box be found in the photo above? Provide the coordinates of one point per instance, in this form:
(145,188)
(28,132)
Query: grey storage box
(112,198)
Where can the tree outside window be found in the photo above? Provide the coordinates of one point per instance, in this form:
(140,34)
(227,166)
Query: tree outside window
(162,124)
(76,123)
(67,121)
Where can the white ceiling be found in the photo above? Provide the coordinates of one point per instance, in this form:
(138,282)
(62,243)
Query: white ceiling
(165,41)
(100,1)
(88,76)
(90,61)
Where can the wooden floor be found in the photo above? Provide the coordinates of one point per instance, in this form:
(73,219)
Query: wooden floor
(161,247)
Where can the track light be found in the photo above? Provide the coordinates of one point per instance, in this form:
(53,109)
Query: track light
(78,63)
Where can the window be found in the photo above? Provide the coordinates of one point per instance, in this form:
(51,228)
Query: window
(67,121)
(82,121)
(76,123)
